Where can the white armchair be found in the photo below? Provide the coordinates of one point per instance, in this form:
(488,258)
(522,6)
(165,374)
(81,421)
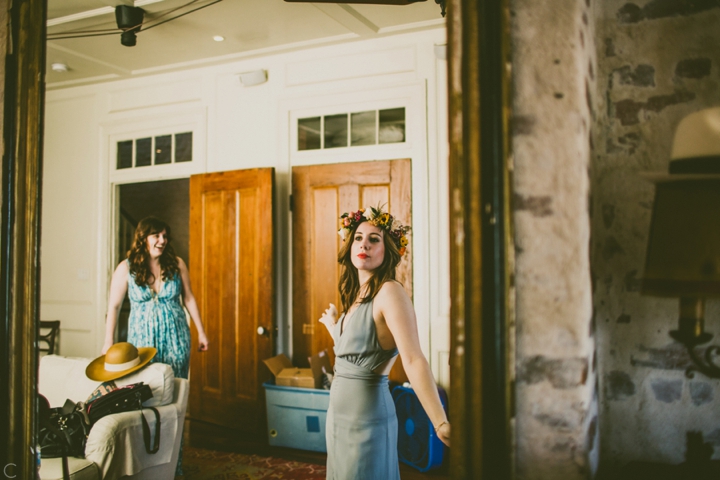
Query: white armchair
(115,446)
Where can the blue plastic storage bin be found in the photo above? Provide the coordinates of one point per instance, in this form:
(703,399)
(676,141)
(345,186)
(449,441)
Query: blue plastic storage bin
(296,416)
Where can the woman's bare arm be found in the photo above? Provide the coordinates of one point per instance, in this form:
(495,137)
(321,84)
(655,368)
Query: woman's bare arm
(118,289)
(399,315)
(191,305)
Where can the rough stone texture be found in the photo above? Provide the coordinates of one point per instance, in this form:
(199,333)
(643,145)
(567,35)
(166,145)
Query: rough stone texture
(563,373)
(667,391)
(619,386)
(701,393)
(647,405)
(693,67)
(654,9)
(554,74)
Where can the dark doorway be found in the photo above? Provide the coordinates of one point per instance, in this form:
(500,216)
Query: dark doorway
(169,200)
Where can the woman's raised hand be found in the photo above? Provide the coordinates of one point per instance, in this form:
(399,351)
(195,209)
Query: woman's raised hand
(329,318)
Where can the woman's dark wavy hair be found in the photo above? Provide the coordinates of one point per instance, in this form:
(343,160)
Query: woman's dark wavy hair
(139,257)
(349,285)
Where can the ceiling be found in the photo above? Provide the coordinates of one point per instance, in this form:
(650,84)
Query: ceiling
(249,27)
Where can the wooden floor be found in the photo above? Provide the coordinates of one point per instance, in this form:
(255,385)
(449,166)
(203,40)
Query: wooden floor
(202,435)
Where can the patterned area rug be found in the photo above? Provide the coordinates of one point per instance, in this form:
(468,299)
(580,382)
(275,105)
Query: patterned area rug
(201,464)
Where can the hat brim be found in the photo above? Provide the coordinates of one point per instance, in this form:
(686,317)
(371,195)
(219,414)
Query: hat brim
(96,369)
(663,177)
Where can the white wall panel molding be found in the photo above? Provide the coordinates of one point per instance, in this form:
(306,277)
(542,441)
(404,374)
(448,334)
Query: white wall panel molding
(156,94)
(50,301)
(367,64)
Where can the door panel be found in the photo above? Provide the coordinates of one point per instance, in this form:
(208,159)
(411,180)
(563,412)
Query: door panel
(321,193)
(231,235)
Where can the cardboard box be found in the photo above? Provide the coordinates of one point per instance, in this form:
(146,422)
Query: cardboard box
(287,375)
(320,364)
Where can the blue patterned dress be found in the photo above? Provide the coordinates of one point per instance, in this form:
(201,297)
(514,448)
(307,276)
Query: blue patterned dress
(158,320)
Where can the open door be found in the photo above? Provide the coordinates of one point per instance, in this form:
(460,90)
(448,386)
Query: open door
(321,193)
(231,270)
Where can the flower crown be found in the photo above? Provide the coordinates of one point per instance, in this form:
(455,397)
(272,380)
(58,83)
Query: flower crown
(375,216)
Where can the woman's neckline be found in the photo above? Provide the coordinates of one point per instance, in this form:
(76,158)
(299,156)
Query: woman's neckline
(346,317)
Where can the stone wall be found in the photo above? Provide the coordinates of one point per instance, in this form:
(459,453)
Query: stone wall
(658,61)
(554,89)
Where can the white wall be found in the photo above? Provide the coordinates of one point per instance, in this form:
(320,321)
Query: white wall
(238,127)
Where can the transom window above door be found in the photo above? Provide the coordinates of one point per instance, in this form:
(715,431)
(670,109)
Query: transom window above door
(158,150)
(354,129)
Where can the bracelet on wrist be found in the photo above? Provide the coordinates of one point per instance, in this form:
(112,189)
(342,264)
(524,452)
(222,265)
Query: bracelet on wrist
(440,425)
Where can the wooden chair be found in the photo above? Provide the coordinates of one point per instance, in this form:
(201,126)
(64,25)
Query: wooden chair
(50,337)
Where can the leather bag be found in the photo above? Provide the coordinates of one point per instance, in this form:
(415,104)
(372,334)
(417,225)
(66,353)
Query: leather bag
(127,399)
(63,431)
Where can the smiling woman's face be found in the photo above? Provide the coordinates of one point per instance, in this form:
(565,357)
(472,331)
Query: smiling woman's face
(368,247)
(156,243)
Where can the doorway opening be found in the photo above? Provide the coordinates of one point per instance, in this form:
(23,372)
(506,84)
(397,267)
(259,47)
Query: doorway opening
(168,200)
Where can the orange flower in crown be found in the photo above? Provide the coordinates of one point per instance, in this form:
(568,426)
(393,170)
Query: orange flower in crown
(375,216)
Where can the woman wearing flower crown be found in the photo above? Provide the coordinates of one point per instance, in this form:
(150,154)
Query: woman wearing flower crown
(378,323)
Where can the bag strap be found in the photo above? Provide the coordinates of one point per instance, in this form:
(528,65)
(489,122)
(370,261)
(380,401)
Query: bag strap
(64,438)
(66,469)
(146,431)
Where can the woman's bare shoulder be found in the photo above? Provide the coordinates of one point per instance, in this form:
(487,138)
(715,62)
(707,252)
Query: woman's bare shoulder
(391,290)
(123,267)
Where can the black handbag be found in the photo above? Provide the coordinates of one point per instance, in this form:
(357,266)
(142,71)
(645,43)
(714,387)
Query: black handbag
(127,399)
(63,431)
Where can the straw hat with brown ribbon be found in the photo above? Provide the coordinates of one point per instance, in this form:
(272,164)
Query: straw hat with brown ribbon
(121,359)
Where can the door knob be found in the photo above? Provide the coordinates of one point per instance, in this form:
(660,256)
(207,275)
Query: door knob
(263,331)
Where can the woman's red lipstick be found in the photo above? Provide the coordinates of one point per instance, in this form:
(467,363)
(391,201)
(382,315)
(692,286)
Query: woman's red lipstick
(362,255)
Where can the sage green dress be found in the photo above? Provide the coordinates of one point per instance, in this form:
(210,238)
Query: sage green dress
(361,429)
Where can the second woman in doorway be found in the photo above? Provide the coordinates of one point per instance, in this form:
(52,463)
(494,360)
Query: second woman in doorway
(154,279)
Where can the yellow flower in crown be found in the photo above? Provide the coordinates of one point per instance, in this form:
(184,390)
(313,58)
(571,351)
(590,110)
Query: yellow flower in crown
(375,216)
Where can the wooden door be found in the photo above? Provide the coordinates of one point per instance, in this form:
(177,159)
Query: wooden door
(321,193)
(231,269)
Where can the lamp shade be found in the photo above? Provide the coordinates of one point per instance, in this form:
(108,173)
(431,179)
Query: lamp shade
(683,253)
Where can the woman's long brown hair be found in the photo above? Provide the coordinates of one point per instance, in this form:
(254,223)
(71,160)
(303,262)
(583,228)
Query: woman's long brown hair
(349,284)
(139,257)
